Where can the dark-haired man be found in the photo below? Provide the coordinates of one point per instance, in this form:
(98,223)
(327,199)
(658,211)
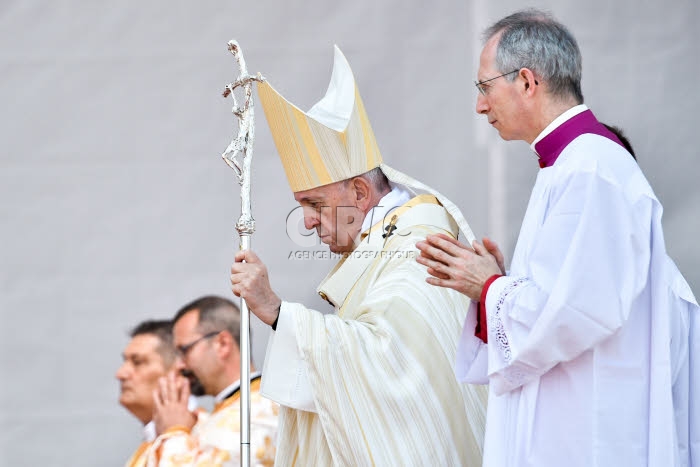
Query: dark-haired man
(206,336)
(148,356)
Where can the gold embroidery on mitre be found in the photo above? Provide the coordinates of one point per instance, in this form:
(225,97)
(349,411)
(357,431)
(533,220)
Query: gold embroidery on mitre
(312,153)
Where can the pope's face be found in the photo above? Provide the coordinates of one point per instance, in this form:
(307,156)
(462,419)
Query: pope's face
(332,210)
(138,375)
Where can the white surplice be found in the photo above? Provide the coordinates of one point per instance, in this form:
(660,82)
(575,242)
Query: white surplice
(592,336)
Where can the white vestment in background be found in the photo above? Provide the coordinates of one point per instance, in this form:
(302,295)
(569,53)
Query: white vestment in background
(592,336)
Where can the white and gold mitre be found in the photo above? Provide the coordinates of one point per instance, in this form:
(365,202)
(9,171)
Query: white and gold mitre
(331,142)
(334,141)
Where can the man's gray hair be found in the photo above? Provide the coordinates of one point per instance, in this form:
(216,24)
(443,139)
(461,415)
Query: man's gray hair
(215,314)
(377,179)
(533,39)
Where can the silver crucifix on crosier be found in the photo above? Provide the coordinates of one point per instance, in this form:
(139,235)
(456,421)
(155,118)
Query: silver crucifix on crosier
(238,156)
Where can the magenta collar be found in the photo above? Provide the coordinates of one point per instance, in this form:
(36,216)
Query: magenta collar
(549,147)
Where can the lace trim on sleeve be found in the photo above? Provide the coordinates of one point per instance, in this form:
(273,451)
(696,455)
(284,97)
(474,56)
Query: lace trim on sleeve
(495,324)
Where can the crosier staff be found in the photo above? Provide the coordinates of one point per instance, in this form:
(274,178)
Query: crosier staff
(238,156)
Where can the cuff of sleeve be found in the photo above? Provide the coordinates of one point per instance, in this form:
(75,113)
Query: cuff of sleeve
(471,361)
(274,323)
(285,378)
(481,329)
(177,429)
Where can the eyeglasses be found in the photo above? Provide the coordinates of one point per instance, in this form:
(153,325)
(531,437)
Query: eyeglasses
(480,84)
(183,350)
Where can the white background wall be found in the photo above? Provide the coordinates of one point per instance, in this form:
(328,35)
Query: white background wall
(115,206)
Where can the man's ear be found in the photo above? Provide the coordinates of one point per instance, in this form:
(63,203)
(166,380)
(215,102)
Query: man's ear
(363,192)
(225,343)
(530,83)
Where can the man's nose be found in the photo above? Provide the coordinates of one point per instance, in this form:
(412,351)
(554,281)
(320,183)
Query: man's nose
(179,364)
(482,105)
(122,372)
(311,218)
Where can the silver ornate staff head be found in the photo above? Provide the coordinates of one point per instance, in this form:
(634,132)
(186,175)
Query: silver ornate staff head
(239,153)
(238,156)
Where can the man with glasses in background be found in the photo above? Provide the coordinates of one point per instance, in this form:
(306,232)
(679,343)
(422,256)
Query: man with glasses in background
(206,334)
(589,343)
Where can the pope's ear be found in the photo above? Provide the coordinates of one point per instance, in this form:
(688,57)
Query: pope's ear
(363,191)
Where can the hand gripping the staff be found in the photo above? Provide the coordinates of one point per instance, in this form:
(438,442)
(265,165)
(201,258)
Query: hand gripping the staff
(250,281)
